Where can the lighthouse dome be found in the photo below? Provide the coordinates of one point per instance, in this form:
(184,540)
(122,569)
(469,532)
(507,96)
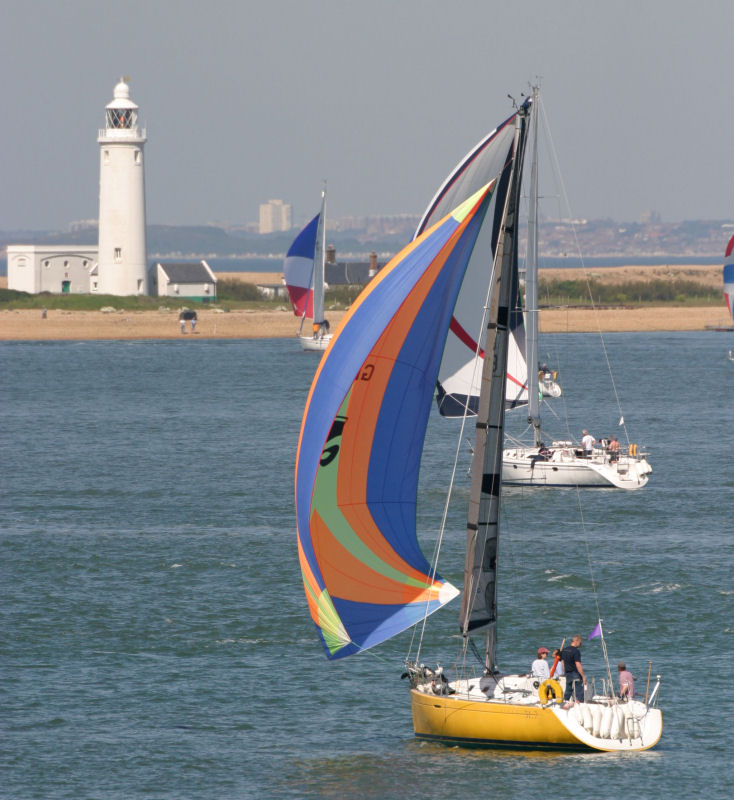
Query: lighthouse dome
(122,96)
(122,91)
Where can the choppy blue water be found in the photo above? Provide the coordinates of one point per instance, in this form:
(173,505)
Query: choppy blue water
(155,638)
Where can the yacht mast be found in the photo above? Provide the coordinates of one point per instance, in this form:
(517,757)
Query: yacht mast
(318,267)
(479,601)
(531,285)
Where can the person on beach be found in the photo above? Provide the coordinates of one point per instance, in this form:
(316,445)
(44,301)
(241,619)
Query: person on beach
(587,443)
(626,682)
(575,677)
(539,667)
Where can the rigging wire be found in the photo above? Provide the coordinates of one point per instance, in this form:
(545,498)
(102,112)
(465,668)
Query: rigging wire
(593,580)
(556,165)
(595,592)
(459,447)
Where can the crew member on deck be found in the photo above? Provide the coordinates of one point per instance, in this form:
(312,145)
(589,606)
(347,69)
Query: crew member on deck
(539,668)
(575,677)
(587,443)
(626,682)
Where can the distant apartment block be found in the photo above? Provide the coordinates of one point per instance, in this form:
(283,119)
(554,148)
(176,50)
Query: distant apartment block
(275,215)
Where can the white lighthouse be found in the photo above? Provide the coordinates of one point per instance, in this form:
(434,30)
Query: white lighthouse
(122,263)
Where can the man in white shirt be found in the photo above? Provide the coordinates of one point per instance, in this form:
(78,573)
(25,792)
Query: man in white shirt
(539,668)
(587,443)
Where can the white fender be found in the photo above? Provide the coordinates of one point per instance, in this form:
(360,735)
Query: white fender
(607,716)
(595,720)
(588,720)
(577,714)
(617,722)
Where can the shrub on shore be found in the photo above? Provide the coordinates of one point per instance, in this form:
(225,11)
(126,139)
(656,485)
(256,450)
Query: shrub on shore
(655,292)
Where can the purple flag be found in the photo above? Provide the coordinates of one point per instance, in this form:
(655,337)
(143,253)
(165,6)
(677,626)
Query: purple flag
(596,632)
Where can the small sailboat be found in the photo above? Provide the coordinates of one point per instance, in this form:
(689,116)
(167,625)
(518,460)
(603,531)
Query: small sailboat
(303,271)
(356,484)
(563,463)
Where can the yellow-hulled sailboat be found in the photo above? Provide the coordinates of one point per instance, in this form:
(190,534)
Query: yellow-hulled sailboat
(358,458)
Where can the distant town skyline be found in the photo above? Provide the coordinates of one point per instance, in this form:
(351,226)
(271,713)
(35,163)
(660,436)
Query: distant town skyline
(696,240)
(245,101)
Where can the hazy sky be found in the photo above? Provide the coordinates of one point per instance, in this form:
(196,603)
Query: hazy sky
(245,101)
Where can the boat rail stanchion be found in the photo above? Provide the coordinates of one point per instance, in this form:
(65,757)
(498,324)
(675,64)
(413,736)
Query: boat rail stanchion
(647,687)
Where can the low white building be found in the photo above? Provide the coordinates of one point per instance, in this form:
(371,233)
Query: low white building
(192,280)
(59,269)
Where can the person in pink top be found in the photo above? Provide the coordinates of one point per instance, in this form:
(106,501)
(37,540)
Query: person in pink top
(626,682)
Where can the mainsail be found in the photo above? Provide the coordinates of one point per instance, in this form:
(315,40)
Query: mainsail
(362,436)
(479,601)
(461,367)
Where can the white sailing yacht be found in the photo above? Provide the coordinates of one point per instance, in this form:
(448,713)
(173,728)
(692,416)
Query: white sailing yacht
(356,484)
(563,463)
(303,271)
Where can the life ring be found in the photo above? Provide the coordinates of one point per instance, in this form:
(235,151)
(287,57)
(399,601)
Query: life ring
(633,449)
(550,690)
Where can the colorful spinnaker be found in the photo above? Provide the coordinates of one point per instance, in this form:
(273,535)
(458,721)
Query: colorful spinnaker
(729,277)
(361,440)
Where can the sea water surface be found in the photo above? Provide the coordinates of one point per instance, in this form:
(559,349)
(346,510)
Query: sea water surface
(155,636)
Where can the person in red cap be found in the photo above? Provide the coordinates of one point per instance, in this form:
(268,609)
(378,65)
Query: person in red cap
(539,668)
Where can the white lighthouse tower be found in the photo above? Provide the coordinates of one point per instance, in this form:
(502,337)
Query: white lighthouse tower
(122,264)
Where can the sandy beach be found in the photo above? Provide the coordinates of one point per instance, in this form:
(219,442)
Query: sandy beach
(28,325)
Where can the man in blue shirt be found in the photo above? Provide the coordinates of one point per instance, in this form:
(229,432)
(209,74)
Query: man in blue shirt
(575,677)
